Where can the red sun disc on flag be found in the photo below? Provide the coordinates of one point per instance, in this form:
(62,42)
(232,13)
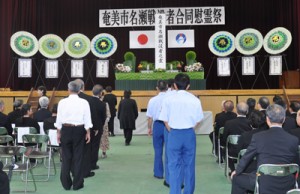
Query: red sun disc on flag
(142,39)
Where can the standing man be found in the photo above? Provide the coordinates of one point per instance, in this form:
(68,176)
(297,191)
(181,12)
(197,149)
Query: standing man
(153,111)
(111,99)
(73,125)
(98,110)
(86,168)
(273,146)
(181,113)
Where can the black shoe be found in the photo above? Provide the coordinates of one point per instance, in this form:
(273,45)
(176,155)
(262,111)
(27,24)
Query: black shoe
(96,167)
(166,184)
(77,188)
(112,135)
(158,177)
(91,174)
(127,144)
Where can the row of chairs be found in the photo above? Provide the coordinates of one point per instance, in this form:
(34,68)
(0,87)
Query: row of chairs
(266,169)
(41,150)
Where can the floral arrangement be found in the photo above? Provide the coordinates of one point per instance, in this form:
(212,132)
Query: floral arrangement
(122,68)
(194,67)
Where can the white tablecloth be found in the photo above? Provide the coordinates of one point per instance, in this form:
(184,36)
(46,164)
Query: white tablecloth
(205,127)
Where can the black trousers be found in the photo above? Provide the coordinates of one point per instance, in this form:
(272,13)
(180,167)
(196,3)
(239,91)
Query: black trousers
(243,183)
(111,126)
(128,135)
(72,145)
(95,144)
(4,182)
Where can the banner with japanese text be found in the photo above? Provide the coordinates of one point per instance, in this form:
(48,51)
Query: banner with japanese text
(174,16)
(160,41)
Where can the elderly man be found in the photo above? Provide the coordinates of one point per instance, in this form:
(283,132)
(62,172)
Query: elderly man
(273,146)
(73,125)
(236,127)
(43,113)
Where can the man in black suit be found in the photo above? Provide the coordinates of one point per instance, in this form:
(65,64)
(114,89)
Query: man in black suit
(257,120)
(293,109)
(111,99)
(273,146)
(262,105)
(4,121)
(49,123)
(236,126)
(98,113)
(43,113)
(296,131)
(220,120)
(289,122)
(86,166)
(14,115)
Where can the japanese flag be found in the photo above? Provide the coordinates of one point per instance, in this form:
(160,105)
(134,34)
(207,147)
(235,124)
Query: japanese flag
(181,38)
(141,39)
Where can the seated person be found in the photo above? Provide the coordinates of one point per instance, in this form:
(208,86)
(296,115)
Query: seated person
(220,120)
(43,113)
(4,181)
(26,120)
(293,109)
(296,131)
(4,121)
(49,122)
(257,120)
(12,116)
(289,122)
(273,146)
(236,126)
(251,104)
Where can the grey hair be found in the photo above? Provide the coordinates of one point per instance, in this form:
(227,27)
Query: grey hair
(73,86)
(81,83)
(1,103)
(97,90)
(275,113)
(18,103)
(44,101)
(242,108)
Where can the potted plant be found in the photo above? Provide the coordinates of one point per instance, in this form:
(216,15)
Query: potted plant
(130,60)
(190,57)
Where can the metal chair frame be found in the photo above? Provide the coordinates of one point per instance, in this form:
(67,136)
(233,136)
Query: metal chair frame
(276,170)
(221,131)
(11,152)
(233,140)
(38,153)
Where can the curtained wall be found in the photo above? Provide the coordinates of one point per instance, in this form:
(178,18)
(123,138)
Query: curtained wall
(77,16)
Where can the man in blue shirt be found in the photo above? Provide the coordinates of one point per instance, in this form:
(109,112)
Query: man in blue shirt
(153,111)
(181,113)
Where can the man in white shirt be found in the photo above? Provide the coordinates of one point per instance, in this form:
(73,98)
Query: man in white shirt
(153,111)
(73,125)
(181,113)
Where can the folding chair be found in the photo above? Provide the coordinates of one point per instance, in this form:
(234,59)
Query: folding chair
(3,131)
(38,153)
(221,131)
(53,144)
(6,139)
(294,191)
(240,155)
(276,170)
(19,133)
(10,152)
(231,140)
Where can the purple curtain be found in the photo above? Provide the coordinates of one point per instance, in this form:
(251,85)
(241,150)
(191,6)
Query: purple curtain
(63,18)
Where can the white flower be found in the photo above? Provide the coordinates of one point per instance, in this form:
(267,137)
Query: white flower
(195,67)
(121,68)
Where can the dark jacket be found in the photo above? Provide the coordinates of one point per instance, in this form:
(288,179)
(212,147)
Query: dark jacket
(273,146)
(4,122)
(12,116)
(41,115)
(111,99)
(127,113)
(98,113)
(28,122)
(221,119)
(49,123)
